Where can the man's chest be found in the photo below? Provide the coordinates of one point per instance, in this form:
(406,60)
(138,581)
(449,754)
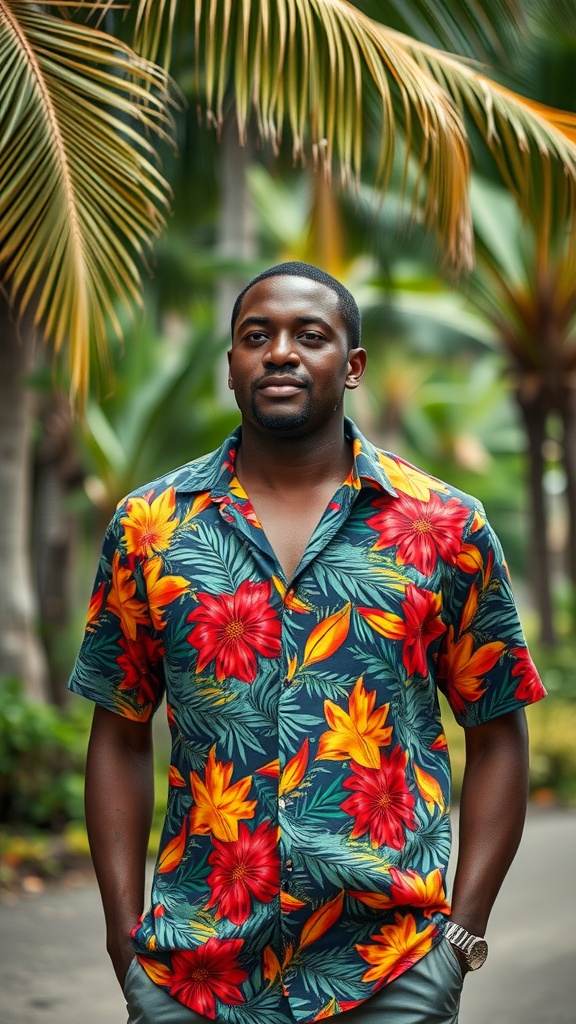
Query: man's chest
(349,610)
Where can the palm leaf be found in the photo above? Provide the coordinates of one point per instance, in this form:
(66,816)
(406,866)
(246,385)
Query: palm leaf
(81,194)
(317,64)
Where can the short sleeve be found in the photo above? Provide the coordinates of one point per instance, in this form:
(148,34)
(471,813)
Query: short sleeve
(484,666)
(120,665)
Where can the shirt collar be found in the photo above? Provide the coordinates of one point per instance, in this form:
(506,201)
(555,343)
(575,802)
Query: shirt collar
(215,472)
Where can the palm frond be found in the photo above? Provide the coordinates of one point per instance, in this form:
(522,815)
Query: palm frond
(483,29)
(82,195)
(316,65)
(533,145)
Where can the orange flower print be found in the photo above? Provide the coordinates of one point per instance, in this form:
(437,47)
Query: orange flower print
(210,972)
(96,606)
(294,770)
(161,590)
(123,603)
(422,531)
(418,627)
(244,870)
(327,636)
(149,525)
(322,920)
(141,664)
(463,669)
(357,734)
(398,947)
(219,806)
(409,889)
(172,854)
(529,686)
(230,629)
(381,802)
(413,890)
(429,789)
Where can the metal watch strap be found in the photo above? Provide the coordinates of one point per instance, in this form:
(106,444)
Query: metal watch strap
(473,948)
(459,936)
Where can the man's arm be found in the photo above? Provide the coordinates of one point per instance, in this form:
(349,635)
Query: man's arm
(492,812)
(119,805)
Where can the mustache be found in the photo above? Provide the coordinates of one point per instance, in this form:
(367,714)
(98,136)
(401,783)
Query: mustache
(291,377)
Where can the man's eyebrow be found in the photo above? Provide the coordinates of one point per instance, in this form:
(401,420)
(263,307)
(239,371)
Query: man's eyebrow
(264,321)
(259,321)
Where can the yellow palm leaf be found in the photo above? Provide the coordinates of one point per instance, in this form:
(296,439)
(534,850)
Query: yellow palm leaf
(81,196)
(317,65)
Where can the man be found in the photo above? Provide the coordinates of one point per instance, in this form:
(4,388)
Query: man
(300,597)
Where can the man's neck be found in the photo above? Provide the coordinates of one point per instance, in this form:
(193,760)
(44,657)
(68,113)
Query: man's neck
(297,463)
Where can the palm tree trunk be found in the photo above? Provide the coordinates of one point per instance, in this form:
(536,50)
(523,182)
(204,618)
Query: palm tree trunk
(236,233)
(21,652)
(534,412)
(569,460)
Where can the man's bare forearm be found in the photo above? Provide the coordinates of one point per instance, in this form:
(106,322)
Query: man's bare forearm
(119,805)
(492,813)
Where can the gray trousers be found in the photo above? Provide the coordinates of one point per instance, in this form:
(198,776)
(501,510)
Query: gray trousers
(428,993)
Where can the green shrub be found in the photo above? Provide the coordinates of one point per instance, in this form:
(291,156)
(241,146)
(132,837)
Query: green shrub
(42,755)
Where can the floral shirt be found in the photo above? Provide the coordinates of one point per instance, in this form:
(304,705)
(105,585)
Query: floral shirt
(303,857)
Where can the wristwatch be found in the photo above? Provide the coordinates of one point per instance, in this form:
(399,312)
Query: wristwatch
(473,948)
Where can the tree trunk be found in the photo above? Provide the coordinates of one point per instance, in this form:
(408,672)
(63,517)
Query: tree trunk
(569,461)
(21,652)
(236,233)
(57,472)
(534,412)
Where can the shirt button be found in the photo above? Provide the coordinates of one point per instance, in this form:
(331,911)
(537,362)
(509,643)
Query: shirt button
(281,803)
(289,865)
(286,681)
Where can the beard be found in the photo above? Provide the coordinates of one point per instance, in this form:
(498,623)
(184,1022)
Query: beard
(284,421)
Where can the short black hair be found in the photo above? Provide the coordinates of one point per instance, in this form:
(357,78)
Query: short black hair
(346,302)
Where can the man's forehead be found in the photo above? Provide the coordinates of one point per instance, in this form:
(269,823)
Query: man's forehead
(292,292)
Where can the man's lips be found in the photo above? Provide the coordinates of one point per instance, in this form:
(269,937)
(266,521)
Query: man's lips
(280,386)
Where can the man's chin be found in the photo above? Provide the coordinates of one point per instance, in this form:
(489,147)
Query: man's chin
(282,425)
(282,421)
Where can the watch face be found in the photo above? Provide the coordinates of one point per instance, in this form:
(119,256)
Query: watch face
(477,954)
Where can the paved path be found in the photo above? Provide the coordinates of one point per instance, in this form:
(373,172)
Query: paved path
(53,968)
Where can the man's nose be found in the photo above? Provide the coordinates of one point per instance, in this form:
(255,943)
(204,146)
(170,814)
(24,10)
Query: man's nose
(281,349)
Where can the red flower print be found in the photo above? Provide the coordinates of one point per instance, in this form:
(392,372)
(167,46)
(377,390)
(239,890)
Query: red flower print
(244,869)
(529,686)
(421,610)
(230,628)
(381,802)
(421,531)
(210,972)
(140,664)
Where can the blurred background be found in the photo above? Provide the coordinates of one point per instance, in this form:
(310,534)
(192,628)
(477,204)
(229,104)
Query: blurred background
(472,373)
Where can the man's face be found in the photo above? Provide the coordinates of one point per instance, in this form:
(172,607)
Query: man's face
(289,361)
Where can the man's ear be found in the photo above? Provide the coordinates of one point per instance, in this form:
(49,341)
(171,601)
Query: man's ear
(356,367)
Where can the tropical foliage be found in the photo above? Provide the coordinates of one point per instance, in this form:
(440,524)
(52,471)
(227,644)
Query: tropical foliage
(83,197)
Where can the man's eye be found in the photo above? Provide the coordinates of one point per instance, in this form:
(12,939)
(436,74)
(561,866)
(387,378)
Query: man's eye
(256,337)
(310,336)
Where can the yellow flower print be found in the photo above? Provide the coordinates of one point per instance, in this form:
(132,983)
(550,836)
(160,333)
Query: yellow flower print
(149,526)
(409,480)
(357,734)
(219,806)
